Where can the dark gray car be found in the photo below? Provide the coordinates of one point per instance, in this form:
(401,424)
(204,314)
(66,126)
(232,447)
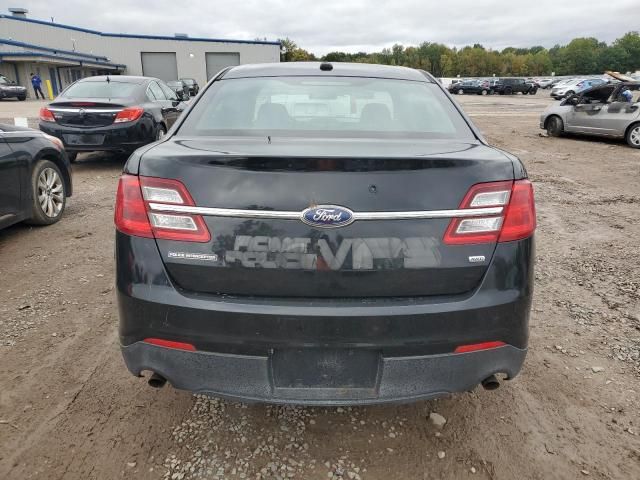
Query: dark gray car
(324,234)
(10,89)
(611,110)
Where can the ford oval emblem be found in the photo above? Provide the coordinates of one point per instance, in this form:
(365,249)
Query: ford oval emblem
(327,216)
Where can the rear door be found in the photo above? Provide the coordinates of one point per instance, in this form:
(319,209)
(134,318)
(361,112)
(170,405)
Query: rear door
(168,110)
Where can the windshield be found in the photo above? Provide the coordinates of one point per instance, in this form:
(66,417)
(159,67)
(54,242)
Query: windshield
(326,106)
(102,89)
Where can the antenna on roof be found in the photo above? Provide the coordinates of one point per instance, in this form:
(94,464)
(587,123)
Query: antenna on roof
(108,80)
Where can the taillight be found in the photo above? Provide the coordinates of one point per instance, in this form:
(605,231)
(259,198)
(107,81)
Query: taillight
(129,114)
(517,220)
(520,217)
(46,115)
(134,216)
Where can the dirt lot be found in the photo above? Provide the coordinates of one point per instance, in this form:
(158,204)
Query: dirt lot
(69,409)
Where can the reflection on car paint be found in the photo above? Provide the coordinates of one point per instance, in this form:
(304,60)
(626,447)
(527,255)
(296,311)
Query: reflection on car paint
(312,254)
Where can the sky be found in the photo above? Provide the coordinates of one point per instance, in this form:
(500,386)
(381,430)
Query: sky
(321,26)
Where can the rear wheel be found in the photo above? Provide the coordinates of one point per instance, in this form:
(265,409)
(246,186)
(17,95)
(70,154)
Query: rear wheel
(508,91)
(555,126)
(49,194)
(22,98)
(633,135)
(533,91)
(483,92)
(525,93)
(460,92)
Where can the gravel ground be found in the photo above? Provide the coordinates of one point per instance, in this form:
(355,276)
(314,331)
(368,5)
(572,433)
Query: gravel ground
(70,410)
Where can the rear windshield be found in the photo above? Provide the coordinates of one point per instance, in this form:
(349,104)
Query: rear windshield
(325,106)
(102,89)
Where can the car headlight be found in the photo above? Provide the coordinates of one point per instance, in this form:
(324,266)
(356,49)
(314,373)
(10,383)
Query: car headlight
(55,140)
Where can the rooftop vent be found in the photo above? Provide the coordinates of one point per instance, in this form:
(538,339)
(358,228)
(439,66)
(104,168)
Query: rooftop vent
(181,35)
(19,12)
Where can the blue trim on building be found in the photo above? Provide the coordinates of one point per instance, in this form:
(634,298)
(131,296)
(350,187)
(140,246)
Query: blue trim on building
(70,59)
(147,37)
(54,50)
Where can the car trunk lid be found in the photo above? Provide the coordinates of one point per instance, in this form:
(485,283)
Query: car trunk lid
(281,255)
(85,113)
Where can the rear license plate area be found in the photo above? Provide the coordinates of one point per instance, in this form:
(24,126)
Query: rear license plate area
(325,368)
(84,139)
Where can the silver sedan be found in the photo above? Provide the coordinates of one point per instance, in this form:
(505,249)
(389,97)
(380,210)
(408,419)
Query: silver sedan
(611,110)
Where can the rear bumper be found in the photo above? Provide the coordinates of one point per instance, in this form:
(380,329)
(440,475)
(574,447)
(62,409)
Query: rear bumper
(251,378)
(413,339)
(117,137)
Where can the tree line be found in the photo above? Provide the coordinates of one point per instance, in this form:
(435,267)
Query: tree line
(580,56)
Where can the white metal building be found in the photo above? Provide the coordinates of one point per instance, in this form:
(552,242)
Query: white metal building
(64,53)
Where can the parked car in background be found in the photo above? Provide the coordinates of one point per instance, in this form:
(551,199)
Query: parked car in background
(394,262)
(10,89)
(111,113)
(35,177)
(476,87)
(605,110)
(194,88)
(181,89)
(509,86)
(573,86)
(545,83)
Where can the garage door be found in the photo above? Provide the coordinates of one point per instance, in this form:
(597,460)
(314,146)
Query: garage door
(218,61)
(161,65)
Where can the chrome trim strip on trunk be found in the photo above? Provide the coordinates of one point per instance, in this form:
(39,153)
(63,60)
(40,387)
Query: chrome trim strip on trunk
(86,110)
(289,215)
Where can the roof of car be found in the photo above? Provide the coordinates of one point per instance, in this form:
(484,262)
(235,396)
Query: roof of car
(287,69)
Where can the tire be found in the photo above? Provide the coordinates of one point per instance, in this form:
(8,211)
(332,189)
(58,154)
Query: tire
(484,92)
(633,136)
(73,156)
(533,91)
(22,98)
(160,132)
(460,92)
(525,93)
(554,126)
(508,91)
(569,93)
(49,194)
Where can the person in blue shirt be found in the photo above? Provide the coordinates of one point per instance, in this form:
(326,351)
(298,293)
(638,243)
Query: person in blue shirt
(36,82)
(626,96)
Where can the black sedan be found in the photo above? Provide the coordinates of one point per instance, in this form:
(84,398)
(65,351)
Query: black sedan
(324,234)
(35,177)
(10,89)
(194,88)
(111,113)
(181,89)
(476,87)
